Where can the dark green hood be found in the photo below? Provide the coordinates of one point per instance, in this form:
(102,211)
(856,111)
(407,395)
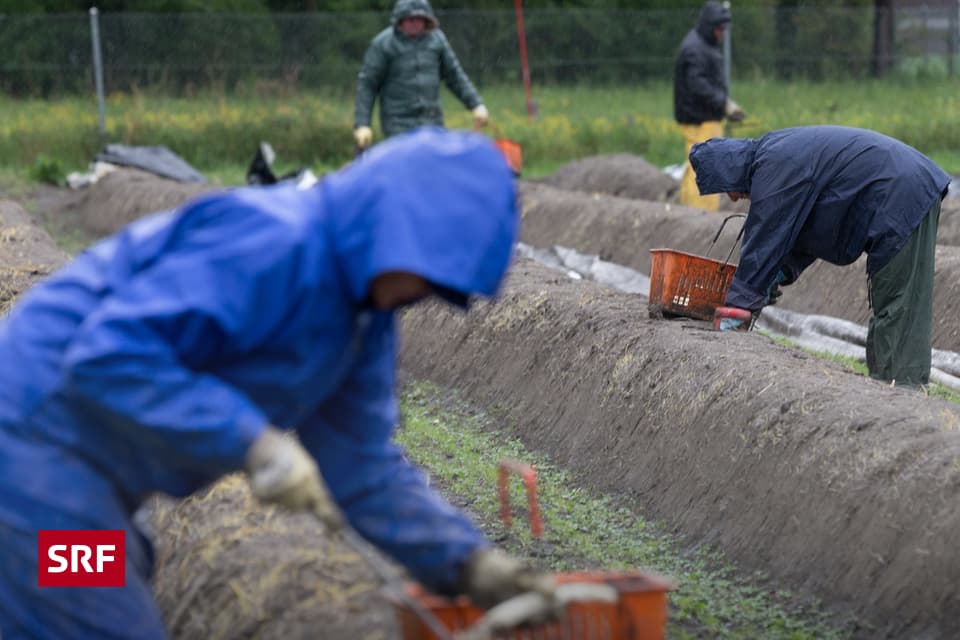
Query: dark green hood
(414,8)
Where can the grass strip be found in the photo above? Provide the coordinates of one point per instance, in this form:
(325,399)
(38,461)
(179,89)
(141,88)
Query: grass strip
(461,448)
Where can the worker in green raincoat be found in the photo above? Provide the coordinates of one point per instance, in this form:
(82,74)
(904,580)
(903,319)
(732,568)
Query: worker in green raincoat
(403,66)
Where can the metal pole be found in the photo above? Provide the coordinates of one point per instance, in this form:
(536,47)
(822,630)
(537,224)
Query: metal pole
(954,38)
(98,67)
(727,50)
(524,65)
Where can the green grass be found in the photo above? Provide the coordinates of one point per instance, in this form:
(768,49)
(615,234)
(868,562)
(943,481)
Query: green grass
(461,451)
(216,131)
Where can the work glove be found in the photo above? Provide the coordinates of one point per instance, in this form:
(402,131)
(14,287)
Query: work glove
(733,112)
(491,576)
(281,472)
(773,291)
(480,116)
(363,136)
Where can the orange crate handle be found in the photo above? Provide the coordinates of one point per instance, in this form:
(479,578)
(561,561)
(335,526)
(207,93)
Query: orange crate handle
(529,476)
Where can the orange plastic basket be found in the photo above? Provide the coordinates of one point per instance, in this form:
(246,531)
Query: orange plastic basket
(512,152)
(640,613)
(685,284)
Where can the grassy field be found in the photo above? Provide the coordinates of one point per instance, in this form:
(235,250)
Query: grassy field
(218,134)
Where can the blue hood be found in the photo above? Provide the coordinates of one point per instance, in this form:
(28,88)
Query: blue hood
(436,203)
(723,165)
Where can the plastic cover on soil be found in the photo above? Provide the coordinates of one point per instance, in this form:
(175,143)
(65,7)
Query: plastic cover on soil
(827,481)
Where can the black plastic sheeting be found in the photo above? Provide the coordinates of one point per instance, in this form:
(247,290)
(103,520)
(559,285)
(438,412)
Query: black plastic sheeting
(157,159)
(815,332)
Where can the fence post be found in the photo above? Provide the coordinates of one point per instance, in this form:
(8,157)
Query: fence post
(953,19)
(98,67)
(727,48)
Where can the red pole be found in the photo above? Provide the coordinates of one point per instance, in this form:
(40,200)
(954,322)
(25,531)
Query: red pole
(524,66)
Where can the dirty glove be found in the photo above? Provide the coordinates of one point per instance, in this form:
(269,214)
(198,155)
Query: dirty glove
(733,112)
(281,472)
(480,116)
(491,576)
(363,136)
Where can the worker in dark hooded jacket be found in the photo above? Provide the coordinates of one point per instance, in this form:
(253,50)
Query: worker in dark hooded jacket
(403,66)
(833,193)
(700,96)
(179,349)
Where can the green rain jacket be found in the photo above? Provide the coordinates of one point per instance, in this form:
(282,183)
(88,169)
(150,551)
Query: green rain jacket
(406,73)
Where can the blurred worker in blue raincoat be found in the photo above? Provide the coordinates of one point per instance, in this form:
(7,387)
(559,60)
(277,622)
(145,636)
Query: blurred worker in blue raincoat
(834,193)
(177,350)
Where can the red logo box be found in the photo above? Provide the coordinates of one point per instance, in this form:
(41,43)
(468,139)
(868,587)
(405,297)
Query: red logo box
(81,558)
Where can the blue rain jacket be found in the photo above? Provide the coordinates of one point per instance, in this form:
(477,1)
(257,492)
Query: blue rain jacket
(153,360)
(823,192)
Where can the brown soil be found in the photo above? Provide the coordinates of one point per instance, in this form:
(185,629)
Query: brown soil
(624,175)
(122,196)
(27,253)
(624,231)
(825,480)
(230,568)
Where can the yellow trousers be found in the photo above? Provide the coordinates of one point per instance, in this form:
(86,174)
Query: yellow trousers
(689,193)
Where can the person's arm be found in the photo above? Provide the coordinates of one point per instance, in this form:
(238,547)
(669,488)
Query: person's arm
(384,497)
(455,77)
(137,361)
(371,77)
(708,89)
(781,199)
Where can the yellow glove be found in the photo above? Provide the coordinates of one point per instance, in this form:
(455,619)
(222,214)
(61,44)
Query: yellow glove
(733,111)
(491,576)
(363,136)
(280,471)
(480,116)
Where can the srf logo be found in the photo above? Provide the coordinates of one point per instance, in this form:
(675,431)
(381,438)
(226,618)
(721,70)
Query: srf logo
(81,558)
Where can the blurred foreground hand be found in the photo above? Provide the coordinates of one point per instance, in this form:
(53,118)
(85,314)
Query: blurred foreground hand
(491,576)
(281,472)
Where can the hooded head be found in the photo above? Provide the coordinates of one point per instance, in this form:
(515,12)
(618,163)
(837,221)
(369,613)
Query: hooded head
(723,165)
(438,204)
(712,15)
(414,9)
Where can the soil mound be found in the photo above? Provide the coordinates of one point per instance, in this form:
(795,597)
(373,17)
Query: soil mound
(27,253)
(228,567)
(624,231)
(627,176)
(825,480)
(124,195)
(618,174)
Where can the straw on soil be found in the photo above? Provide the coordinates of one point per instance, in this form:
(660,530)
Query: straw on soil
(229,568)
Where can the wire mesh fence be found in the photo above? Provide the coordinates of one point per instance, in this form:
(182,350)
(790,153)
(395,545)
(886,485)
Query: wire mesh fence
(182,53)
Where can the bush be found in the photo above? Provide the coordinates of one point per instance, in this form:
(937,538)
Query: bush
(48,170)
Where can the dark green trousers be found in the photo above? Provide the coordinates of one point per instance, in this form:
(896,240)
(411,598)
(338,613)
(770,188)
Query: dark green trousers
(901,296)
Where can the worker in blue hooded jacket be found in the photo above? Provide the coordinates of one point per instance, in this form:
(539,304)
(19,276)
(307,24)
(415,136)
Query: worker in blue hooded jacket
(178,350)
(833,193)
